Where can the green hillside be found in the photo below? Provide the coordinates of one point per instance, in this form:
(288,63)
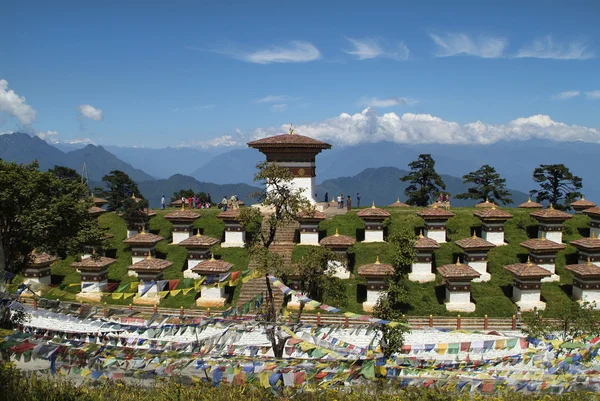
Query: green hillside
(491,298)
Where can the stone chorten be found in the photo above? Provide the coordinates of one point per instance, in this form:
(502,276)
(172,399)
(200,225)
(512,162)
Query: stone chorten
(492,224)
(373,218)
(530,205)
(582,204)
(398,204)
(594,213)
(211,295)
(183,221)
(589,249)
(198,247)
(148,271)
(309,226)
(94,277)
(527,284)
(435,222)
(543,252)
(476,255)
(296,153)
(376,275)
(339,244)
(142,244)
(551,223)
(458,286)
(586,283)
(37,270)
(422,266)
(235,236)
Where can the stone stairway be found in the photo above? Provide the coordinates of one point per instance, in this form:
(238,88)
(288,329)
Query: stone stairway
(282,245)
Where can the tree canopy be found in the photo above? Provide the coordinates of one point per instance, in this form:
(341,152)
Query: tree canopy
(119,186)
(487,185)
(40,211)
(558,185)
(425,182)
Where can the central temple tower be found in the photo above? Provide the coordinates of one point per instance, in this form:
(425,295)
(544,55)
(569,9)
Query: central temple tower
(296,153)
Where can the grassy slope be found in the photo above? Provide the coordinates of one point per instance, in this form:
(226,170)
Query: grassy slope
(491,298)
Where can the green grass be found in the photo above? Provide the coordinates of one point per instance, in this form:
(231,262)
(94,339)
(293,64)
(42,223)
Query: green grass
(490,298)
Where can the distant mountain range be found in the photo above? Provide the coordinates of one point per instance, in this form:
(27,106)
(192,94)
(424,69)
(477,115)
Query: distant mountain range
(371,169)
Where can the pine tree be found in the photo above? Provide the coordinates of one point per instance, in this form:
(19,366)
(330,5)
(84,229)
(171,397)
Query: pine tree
(488,185)
(557,184)
(425,183)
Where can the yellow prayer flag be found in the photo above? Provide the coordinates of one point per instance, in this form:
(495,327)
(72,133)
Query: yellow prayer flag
(174,292)
(128,295)
(163,294)
(117,295)
(186,290)
(134,285)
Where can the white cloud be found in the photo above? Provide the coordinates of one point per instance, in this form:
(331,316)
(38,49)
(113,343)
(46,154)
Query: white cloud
(546,47)
(222,141)
(279,107)
(454,44)
(272,99)
(78,141)
(389,102)
(593,95)
(90,112)
(6,132)
(48,136)
(365,49)
(294,52)
(566,95)
(15,105)
(367,127)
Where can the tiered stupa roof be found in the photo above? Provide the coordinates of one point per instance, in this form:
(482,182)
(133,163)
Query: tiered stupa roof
(593,212)
(99,201)
(530,205)
(338,241)
(373,213)
(587,244)
(550,214)
(229,214)
(475,243)
(585,270)
(376,269)
(426,244)
(212,266)
(398,204)
(435,213)
(41,259)
(458,271)
(96,211)
(150,264)
(311,215)
(486,204)
(542,245)
(91,263)
(143,238)
(198,241)
(182,216)
(528,270)
(288,141)
(493,214)
(582,204)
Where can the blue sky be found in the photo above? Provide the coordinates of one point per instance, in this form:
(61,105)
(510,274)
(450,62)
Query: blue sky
(170,73)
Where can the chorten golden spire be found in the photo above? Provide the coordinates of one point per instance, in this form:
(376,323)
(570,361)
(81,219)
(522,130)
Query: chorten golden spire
(421,234)
(458,261)
(373,205)
(143,232)
(292,129)
(529,261)
(337,232)
(149,255)
(589,261)
(212,257)
(377,262)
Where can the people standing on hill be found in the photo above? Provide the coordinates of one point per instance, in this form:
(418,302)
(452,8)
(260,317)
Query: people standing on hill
(342,199)
(182,201)
(357,199)
(162,202)
(326,197)
(348,203)
(224,203)
(440,197)
(194,201)
(447,201)
(190,202)
(339,201)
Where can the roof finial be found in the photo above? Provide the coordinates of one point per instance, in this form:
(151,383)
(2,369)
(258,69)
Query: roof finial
(133,196)
(589,262)
(398,200)
(529,260)
(543,236)
(212,257)
(582,197)
(593,236)
(487,200)
(143,232)
(373,205)
(149,255)
(551,206)
(182,206)
(337,232)
(198,233)
(377,262)
(529,200)
(458,261)
(421,233)
(292,129)
(493,206)
(474,234)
